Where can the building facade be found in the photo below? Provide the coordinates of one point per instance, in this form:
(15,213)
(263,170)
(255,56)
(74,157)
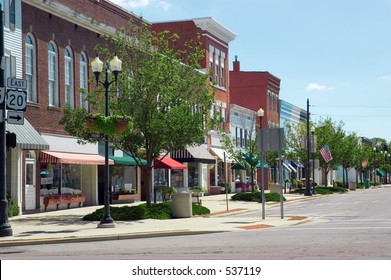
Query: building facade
(206,165)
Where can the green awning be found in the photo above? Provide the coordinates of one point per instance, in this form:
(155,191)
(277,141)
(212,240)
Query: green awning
(265,165)
(380,172)
(127,161)
(237,166)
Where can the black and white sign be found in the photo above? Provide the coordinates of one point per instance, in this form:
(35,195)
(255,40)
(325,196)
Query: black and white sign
(16,100)
(14,117)
(17,83)
(2,95)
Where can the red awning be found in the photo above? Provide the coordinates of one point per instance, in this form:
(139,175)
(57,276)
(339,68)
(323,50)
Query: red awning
(72,158)
(168,163)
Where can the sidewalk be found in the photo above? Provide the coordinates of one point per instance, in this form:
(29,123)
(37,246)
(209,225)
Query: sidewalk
(68,226)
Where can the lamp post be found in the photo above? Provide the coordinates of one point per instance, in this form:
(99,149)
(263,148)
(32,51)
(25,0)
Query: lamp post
(313,158)
(260,114)
(307,175)
(5,227)
(114,66)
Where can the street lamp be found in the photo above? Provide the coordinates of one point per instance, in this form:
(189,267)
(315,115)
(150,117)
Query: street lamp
(260,114)
(313,158)
(115,66)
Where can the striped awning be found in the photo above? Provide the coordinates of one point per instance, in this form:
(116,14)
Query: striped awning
(72,158)
(27,137)
(194,154)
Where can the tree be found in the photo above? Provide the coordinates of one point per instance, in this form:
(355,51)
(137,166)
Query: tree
(161,90)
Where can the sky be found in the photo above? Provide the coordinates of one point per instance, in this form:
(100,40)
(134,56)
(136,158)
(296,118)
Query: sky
(335,53)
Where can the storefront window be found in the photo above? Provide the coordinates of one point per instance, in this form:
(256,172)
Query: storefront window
(64,178)
(160,177)
(177,178)
(123,179)
(193,174)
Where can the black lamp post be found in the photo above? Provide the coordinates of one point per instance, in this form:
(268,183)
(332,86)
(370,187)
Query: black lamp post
(307,175)
(260,114)
(5,227)
(115,66)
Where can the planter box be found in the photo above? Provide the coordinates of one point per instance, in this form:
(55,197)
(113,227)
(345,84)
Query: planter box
(124,198)
(57,201)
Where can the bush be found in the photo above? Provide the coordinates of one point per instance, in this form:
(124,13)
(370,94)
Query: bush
(13,208)
(159,211)
(256,196)
(330,190)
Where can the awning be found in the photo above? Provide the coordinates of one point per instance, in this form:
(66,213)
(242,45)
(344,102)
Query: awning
(265,165)
(297,164)
(220,154)
(72,158)
(168,163)
(127,161)
(292,168)
(27,137)
(380,172)
(237,166)
(194,154)
(287,167)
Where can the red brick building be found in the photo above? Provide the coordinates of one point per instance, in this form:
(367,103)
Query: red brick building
(58,46)
(255,90)
(215,40)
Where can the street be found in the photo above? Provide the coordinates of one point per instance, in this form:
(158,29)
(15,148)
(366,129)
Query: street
(356,225)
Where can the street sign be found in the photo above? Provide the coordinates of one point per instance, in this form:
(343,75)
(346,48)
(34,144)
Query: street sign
(16,83)
(2,95)
(15,117)
(16,100)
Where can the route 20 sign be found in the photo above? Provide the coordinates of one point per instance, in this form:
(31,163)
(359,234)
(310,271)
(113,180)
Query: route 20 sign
(16,100)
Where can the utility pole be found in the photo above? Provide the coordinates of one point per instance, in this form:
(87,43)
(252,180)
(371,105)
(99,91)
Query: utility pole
(308,146)
(5,227)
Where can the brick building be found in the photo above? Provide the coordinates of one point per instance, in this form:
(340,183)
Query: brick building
(203,170)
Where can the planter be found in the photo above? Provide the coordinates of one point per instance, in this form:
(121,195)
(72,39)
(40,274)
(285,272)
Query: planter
(63,200)
(123,198)
(91,124)
(121,125)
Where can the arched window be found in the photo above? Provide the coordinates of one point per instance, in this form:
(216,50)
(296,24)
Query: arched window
(83,81)
(30,68)
(69,81)
(53,75)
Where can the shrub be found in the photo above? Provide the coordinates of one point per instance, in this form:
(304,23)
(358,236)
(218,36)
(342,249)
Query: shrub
(159,211)
(256,196)
(13,208)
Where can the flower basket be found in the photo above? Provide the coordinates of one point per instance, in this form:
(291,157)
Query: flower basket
(121,125)
(91,124)
(55,199)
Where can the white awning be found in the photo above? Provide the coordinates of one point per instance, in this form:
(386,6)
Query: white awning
(220,154)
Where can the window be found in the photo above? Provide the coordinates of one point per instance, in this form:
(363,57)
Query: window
(211,64)
(12,14)
(68,71)
(223,113)
(30,74)
(217,65)
(83,81)
(53,75)
(222,62)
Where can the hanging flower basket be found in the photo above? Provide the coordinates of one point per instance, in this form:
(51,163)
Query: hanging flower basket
(91,123)
(121,124)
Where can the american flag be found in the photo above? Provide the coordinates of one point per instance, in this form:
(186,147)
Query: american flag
(326,154)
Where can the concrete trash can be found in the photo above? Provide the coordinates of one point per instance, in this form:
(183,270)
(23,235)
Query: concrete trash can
(367,184)
(352,185)
(182,205)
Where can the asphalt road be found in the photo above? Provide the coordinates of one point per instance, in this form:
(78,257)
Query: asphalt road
(351,226)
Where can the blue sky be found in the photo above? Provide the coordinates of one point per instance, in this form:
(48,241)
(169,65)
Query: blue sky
(336,53)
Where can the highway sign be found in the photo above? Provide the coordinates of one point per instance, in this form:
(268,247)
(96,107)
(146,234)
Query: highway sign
(2,95)
(16,100)
(15,117)
(16,83)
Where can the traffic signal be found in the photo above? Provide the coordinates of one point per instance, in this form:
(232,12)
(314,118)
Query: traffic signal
(10,140)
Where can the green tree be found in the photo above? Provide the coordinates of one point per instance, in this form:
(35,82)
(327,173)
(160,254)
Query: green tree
(161,90)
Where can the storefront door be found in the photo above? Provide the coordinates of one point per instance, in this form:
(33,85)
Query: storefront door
(30,190)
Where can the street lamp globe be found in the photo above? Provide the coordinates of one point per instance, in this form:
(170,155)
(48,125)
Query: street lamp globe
(116,66)
(260,112)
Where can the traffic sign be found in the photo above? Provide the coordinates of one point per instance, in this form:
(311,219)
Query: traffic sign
(16,100)
(15,117)
(2,95)
(16,83)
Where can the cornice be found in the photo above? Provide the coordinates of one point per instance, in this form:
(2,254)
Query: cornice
(210,25)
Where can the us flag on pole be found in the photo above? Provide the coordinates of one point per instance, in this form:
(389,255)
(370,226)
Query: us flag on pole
(326,154)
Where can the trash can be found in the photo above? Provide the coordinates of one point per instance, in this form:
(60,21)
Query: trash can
(367,184)
(181,205)
(352,185)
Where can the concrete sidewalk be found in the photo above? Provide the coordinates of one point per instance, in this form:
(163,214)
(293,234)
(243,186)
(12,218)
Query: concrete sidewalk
(68,226)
